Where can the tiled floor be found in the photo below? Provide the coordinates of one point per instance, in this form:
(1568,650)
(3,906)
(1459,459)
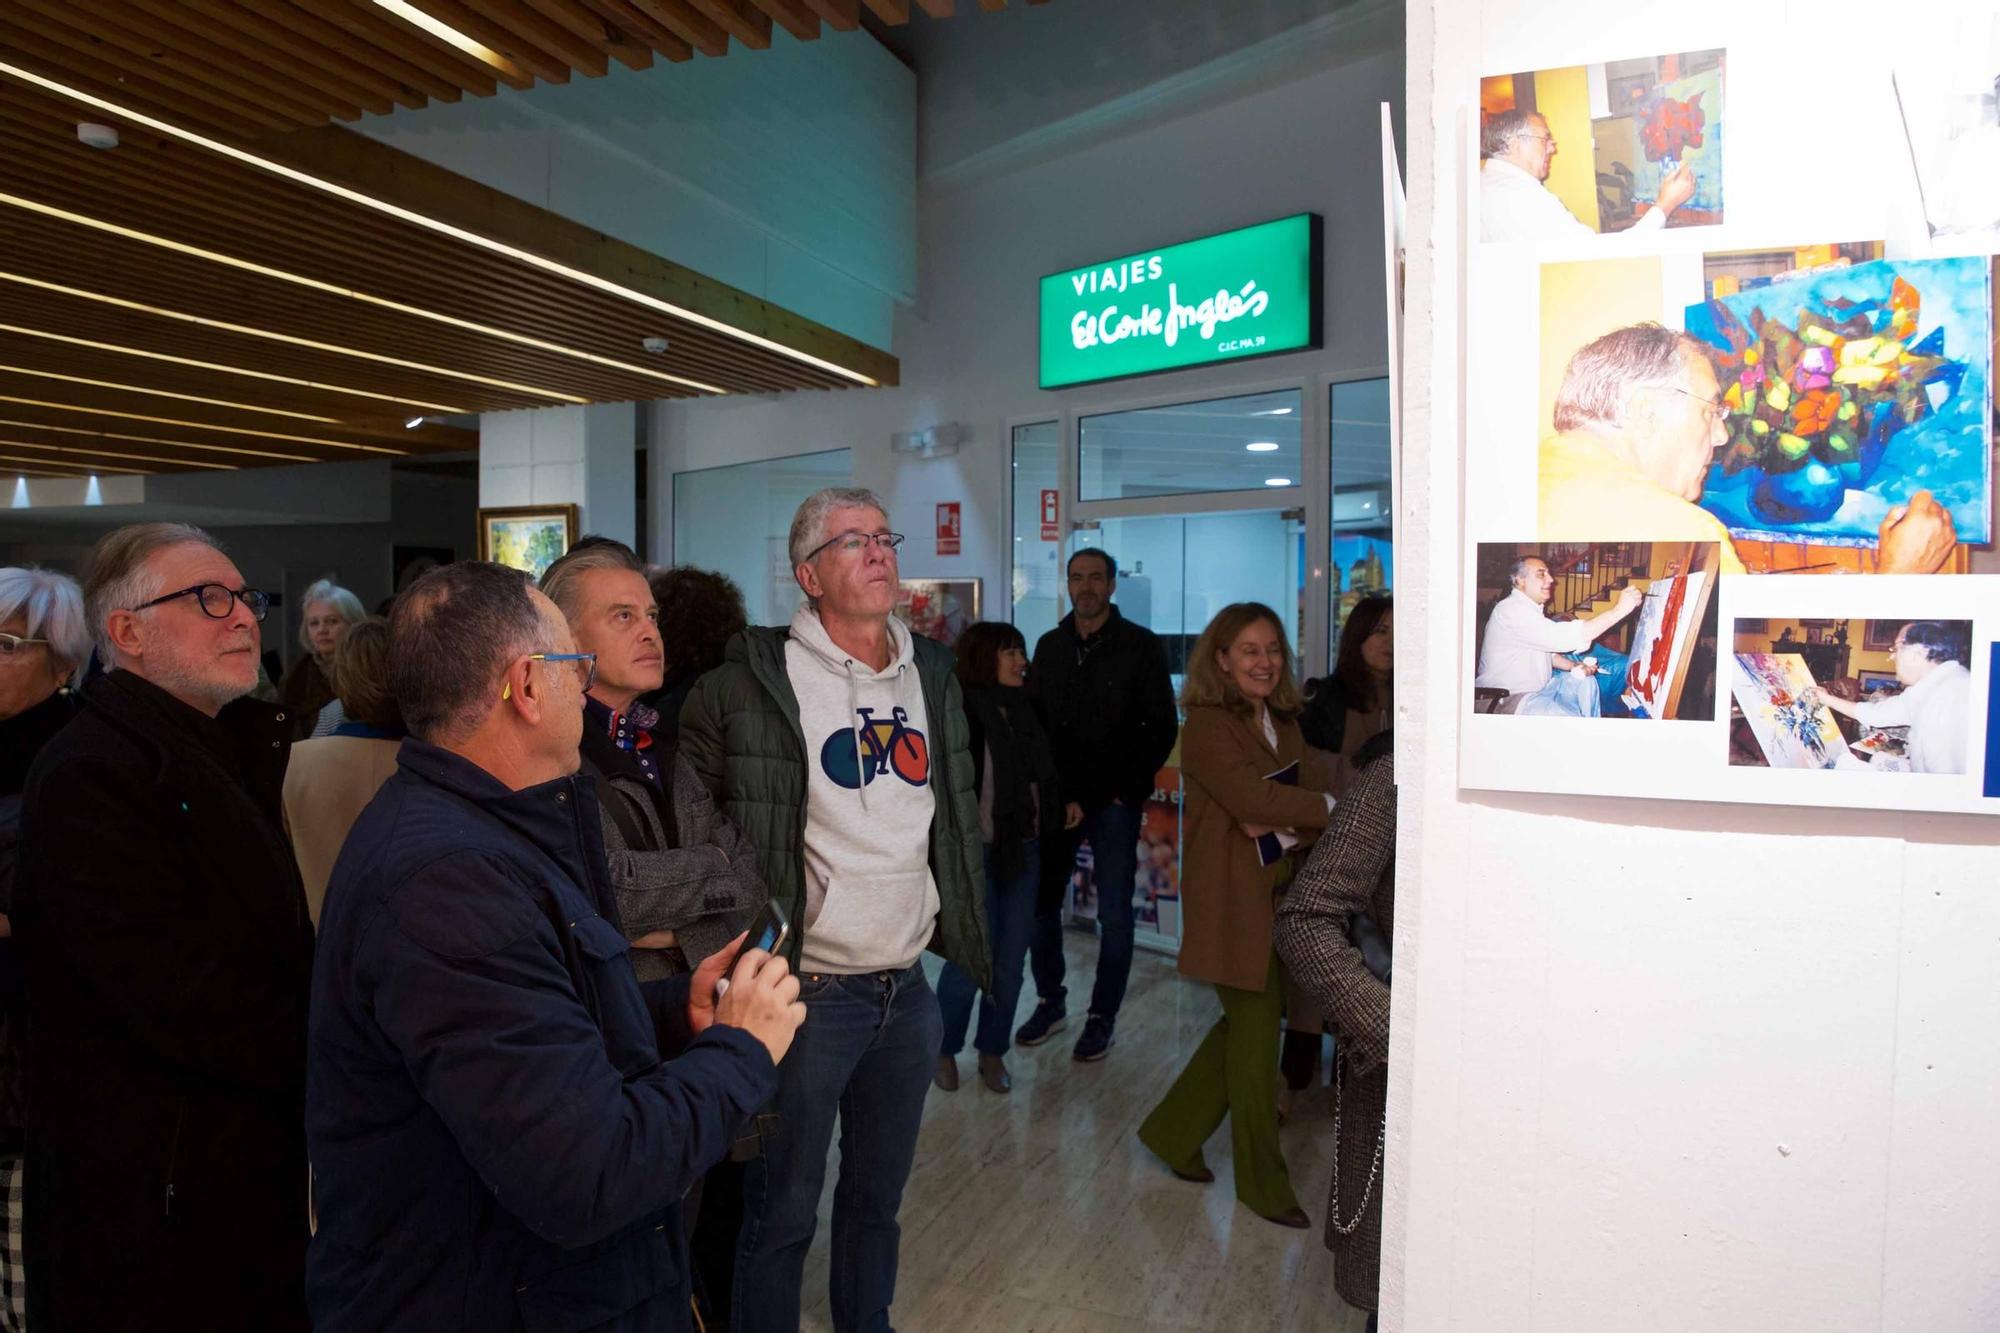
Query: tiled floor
(1040,1211)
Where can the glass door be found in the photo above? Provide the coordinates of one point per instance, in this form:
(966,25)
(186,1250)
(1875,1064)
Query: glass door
(1175,571)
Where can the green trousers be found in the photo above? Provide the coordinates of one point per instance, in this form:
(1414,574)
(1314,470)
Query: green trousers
(1233,1073)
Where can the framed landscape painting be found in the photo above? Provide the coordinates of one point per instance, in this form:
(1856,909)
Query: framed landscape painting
(529,538)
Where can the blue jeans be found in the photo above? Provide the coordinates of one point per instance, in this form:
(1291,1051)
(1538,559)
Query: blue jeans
(1113,834)
(1568,694)
(864,1056)
(1010,918)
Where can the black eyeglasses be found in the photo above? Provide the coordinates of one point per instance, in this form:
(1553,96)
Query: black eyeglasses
(217,601)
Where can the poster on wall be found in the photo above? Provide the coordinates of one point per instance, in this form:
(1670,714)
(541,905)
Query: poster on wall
(938,608)
(1729,528)
(1156,886)
(950,527)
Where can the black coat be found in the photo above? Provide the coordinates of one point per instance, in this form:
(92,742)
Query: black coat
(167,951)
(496,1140)
(1024,768)
(1107,703)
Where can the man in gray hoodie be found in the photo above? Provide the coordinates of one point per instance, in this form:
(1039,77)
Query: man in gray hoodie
(839,745)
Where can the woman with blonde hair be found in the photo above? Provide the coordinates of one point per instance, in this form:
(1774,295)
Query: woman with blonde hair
(325,612)
(1254,794)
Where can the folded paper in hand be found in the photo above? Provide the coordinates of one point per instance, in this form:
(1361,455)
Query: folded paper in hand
(1269,847)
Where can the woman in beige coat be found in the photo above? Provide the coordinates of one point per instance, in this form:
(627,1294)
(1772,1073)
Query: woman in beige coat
(330,781)
(1251,782)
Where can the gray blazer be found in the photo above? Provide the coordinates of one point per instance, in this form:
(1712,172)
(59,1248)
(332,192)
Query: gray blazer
(1352,869)
(706,890)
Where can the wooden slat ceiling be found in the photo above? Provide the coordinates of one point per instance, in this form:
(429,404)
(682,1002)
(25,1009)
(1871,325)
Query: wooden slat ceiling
(166,305)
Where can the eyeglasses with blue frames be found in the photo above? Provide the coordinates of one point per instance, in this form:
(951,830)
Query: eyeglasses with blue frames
(216,600)
(588,669)
(853,543)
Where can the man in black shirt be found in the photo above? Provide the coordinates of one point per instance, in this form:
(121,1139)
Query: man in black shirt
(1102,686)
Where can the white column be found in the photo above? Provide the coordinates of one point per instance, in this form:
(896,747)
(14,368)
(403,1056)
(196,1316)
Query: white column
(564,455)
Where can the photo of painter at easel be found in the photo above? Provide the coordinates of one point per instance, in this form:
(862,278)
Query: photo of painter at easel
(1596,629)
(1884,696)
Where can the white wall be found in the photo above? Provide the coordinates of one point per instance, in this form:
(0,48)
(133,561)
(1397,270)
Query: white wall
(996,82)
(585,456)
(1664,1065)
(968,346)
(789,173)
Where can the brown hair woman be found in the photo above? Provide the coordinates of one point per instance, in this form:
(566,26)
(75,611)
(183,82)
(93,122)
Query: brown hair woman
(1254,792)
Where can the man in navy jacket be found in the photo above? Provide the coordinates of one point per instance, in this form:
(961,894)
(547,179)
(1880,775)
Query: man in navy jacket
(497,1141)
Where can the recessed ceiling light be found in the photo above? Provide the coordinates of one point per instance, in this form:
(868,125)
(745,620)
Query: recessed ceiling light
(1273,412)
(200,425)
(96,345)
(293,339)
(153,439)
(108,453)
(1262,446)
(437,225)
(413,423)
(1277,481)
(444,32)
(85,469)
(401,307)
(152,393)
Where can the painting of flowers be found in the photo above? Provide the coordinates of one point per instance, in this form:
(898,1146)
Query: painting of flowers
(1848,391)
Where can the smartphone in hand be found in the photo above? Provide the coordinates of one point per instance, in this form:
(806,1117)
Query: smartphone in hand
(767,932)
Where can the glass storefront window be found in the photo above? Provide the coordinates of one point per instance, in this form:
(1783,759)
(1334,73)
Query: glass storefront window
(1244,443)
(1362,559)
(736,521)
(1036,557)
(1176,571)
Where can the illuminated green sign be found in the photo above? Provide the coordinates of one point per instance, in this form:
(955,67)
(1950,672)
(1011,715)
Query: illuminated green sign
(1242,294)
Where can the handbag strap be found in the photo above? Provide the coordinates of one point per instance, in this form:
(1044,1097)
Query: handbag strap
(1374,1169)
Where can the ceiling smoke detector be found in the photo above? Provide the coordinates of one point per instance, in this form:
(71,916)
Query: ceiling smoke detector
(97,136)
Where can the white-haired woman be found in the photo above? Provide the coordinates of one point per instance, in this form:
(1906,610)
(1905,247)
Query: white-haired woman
(326,610)
(44,642)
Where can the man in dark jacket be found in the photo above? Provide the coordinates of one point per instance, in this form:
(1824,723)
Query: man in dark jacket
(496,1139)
(840,746)
(685,877)
(1107,700)
(167,952)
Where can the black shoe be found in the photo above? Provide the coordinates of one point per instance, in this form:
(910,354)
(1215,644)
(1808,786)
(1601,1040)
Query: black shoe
(1047,1020)
(1095,1043)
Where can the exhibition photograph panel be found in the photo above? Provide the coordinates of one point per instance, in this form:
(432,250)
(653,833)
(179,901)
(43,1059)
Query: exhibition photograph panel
(1729,445)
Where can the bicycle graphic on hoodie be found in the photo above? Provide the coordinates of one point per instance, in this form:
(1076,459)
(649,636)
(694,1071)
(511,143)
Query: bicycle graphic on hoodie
(885,746)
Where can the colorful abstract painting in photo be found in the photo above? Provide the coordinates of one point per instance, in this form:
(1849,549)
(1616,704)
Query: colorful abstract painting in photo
(1658,113)
(1777,694)
(1848,391)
